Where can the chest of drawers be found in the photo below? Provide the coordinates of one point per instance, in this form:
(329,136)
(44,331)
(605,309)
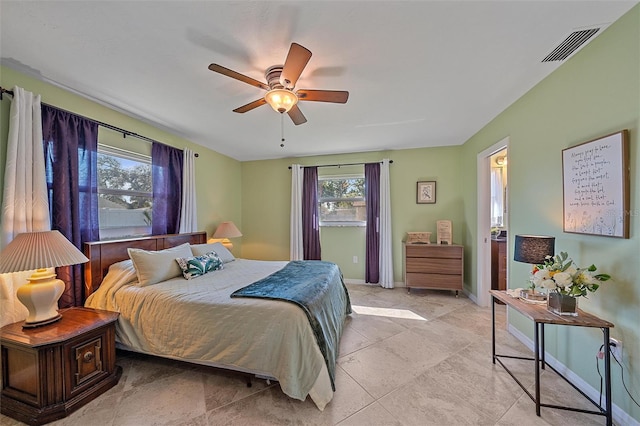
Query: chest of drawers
(433,266)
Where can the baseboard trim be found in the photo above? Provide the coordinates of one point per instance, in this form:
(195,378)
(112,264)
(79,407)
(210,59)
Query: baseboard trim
(362,282)
(619,415)
(470,295)
(354,281)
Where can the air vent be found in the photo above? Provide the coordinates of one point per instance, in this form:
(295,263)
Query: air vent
(571,44)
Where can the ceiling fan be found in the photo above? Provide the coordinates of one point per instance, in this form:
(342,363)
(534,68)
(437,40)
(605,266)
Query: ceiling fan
(281,82)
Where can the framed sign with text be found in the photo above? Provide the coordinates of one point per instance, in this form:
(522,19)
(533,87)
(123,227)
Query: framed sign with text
(595,184)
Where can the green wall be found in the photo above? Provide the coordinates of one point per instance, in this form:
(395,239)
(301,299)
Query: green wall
(266,201)
(595,93)
(217,202)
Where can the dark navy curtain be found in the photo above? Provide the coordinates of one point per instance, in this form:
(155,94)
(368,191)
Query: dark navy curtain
(310,216)
(70,149)
(166,163)
(372,197)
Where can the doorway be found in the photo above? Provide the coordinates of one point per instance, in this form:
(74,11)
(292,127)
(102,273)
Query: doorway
(485,219)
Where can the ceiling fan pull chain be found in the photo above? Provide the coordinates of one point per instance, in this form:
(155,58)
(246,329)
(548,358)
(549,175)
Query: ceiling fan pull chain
(282,129)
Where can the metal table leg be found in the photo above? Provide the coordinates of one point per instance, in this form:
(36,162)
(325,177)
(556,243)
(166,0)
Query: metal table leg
(536,340)
(542,360)
(607,375)
(493,329)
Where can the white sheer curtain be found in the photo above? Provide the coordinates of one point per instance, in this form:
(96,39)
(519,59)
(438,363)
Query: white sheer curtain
(386,242)
(25,205)
(296,251)
(497,199)
(189,210)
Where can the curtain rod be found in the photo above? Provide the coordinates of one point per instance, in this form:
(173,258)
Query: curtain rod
(124,132)
(340,165)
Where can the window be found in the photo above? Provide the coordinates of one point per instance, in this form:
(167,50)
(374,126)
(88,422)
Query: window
(341,201)
(125,193)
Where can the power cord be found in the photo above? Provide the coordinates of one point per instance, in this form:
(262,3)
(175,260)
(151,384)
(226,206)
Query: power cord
(599,356)
(622,375)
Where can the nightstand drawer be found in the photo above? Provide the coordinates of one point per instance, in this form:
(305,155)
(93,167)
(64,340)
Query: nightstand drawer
(85,357)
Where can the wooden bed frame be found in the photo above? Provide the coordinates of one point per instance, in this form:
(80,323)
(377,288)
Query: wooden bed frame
(103,254)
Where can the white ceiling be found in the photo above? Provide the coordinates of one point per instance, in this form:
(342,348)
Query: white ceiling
(428,73)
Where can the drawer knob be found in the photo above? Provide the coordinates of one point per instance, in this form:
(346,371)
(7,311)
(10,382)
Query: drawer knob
(88,356)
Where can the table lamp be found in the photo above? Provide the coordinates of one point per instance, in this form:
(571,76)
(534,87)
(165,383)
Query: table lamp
(225,231)
(40,251)
(533,249)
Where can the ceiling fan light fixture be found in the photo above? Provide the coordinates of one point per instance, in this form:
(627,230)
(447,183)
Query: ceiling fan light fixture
(281,100)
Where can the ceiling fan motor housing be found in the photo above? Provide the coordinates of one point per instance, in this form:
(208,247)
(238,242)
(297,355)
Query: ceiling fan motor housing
(272,75)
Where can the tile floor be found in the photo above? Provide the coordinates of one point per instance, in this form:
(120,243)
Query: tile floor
(422,359)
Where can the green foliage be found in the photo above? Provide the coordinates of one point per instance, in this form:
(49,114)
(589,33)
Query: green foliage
(112,175)
(561,274)
(342,188)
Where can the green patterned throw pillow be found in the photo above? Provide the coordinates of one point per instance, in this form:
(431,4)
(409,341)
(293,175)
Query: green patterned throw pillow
(199,265)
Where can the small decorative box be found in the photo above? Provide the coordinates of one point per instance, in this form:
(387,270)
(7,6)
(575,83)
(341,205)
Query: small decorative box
(418,238)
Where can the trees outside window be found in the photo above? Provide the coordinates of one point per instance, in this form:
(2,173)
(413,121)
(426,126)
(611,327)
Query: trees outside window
(125,191)
(341,201)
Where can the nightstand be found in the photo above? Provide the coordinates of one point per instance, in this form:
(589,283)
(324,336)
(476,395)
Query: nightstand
(52,370)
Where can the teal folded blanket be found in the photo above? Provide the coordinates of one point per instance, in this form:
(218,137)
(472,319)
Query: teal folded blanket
(316,287)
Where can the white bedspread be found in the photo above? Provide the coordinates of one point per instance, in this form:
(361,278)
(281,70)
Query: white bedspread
(196,320)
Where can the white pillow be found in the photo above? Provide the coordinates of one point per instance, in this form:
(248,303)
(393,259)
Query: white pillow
(201,249)
(155,266)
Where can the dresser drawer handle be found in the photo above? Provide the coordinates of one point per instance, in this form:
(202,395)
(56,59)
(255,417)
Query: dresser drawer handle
(88,356)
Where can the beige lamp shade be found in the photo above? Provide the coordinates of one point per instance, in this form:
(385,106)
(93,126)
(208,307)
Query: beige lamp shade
(225,231)
(39,251)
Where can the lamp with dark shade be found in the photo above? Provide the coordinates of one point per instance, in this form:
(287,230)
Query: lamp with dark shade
(40,251)
(533,249)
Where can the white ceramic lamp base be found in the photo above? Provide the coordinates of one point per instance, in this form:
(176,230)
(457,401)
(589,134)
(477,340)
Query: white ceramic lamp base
(40,295)
(227,244)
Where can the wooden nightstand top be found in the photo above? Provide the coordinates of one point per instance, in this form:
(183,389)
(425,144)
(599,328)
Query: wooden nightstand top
(75,321)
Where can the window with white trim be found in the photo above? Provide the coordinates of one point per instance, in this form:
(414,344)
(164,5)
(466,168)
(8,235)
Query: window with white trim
(125,193)
(341,201)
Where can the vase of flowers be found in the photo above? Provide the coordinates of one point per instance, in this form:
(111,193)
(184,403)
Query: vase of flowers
(562,304)
(565,282)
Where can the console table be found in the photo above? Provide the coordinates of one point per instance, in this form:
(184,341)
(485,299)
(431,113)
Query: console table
(541,316)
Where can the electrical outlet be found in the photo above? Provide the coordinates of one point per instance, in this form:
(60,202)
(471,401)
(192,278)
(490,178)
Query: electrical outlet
(616,348)
(355,259)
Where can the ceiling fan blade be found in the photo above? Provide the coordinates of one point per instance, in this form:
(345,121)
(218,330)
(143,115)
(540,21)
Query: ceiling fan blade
(335,96)
(297,59)
(297,116)
(250,106)
(230,73)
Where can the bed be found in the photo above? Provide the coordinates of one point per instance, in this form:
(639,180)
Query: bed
(196,320)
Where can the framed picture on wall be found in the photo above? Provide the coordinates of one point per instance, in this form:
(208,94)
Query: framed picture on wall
(596,186)
(426,192)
